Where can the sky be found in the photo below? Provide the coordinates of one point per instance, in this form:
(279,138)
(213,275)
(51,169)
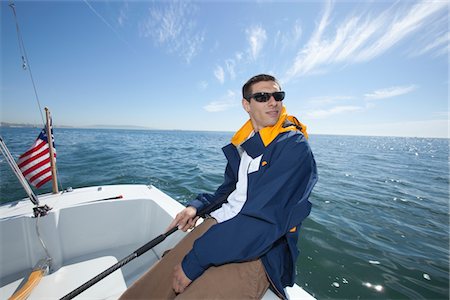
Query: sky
(347,67)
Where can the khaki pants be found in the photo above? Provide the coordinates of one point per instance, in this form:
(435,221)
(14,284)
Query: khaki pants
(245,280)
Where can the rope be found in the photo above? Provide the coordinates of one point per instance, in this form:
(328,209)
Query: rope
(26,66)
(25,61)
(40,238)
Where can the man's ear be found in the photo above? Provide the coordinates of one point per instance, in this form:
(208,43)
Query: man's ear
(246,105)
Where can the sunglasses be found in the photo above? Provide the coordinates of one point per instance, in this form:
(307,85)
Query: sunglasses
(264,97)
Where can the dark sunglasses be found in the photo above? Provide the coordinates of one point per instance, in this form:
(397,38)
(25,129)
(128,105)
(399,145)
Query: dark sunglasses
(264,97)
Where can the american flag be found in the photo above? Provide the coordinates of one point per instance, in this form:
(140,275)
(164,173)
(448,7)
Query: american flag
(35,163)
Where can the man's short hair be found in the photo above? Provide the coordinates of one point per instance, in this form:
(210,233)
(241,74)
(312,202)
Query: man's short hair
(247,88)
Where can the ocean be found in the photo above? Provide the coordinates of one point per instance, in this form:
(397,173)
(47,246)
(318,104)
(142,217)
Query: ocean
(379,226)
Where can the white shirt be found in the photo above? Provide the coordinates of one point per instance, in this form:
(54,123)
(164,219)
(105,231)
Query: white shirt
(238,197)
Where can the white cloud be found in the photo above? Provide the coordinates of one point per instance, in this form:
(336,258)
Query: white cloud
(202,85)
(288,39)
(442,114)
(438,128)
(315,52)
(438,46)
(230,68)
(362,38)
(256,37)
(401,27)
(231,65)
(329,99)
(219,74)
(123,14)
(435,42)
(225,103)
(322,113)
(390,92)
(325,113)
(173,26)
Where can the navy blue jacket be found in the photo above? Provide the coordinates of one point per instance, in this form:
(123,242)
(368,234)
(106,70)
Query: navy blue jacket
(267,226)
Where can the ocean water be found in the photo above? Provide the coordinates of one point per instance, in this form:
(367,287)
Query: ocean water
(379,228)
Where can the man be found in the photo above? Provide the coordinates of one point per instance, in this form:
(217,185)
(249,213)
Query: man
(249,241)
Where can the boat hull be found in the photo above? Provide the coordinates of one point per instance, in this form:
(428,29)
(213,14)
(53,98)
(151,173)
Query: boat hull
(87,231)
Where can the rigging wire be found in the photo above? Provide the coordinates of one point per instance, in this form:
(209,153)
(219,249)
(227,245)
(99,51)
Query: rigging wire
(25,61)
(26,66)
(40,238)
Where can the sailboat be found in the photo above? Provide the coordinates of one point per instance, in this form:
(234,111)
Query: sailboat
(82,243)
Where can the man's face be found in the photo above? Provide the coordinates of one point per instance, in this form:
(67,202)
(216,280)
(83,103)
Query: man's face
(263,114)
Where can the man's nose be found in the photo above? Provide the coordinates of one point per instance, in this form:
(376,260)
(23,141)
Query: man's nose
(272,101)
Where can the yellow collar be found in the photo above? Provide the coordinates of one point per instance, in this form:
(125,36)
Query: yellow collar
(268,134)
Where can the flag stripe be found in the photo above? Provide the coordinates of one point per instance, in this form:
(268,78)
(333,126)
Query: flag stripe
(25,168)
(44,181)
(35,162)
(41,173)
(37,166)
(34,158)
(37,145)
(37,171)
(33,152)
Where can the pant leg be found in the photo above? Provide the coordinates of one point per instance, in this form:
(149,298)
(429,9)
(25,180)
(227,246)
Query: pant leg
(157,282)
(245,280)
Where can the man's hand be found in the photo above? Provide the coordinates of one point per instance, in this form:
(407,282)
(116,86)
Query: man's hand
(185,219)
(180,280)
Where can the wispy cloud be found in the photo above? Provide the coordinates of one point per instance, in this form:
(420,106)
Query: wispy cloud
(390,92)
(202,85)
(402,26)
(219,74)
(325,113)
(107,24)
(436,42)
(329,99)
(326,106)
(225,103)
(256,37)
(123,14)
(418,128)
(230,64)
(230,68)
(444,114)
(362,37)
(173,26)
(438,46)
(288,39)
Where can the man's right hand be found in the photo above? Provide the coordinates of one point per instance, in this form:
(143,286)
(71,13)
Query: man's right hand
(185,219)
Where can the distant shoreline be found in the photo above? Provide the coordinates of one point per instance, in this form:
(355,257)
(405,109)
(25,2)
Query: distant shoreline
(105,127)
(28,125)
(130,127)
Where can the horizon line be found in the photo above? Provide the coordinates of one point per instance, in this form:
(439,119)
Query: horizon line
(144,128)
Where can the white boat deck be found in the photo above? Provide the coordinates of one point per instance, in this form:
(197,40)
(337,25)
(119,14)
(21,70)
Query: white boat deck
(71,276)
(85,235)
